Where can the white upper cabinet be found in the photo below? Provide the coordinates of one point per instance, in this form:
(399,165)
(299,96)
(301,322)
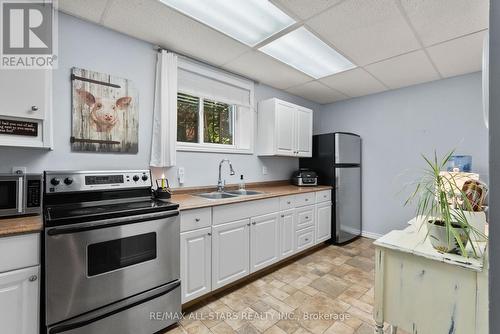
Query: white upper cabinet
(26,96)
(284,129)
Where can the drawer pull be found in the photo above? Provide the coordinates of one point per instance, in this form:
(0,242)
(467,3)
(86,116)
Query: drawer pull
(248,224)
(282,216)
(307,239)
(209,233)
(307,199)
(33,278)
(197,219)
(34,108)
(288,202)
(324,196)
(254,223)
(307,217)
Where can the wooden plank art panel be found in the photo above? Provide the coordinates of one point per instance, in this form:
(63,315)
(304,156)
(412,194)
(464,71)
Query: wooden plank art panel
(105,113)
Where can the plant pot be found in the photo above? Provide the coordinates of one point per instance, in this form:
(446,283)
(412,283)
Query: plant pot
(440,240)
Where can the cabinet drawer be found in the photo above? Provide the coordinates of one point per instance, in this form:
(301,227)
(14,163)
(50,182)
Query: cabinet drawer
(196,218)
(305,217)
(304,199)
(232,212)
(304,238)
(323,196)
(26,248)
(287,202)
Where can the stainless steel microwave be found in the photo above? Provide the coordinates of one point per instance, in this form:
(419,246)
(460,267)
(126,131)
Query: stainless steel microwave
(20,194)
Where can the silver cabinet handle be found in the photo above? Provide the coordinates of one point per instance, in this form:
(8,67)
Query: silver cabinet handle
(288,202)
(307,239)
(254,223)
(282,216)
(307,199)
(248,224)
(33,278)
(197,219)
(209,233)
(307,217)
(34,108)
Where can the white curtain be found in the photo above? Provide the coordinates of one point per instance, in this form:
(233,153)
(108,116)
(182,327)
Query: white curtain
(163,146)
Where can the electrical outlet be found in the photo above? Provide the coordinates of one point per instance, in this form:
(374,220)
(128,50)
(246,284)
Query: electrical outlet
(264,170)
(181,175)
(19,170)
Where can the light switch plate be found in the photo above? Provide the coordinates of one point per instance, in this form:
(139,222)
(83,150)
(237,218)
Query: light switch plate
(264,170)
(181,175)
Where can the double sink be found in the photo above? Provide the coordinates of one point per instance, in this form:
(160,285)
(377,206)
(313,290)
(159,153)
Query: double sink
(228,194)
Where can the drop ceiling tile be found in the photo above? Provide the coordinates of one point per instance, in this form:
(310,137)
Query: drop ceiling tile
(90,10)
(438,21)
(317,92)
(366,31)
(405,70)
(266,69)
(353,83)
(459,56)
(156,23)
(304,9)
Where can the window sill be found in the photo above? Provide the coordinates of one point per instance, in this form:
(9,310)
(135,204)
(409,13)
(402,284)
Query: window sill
(207,148)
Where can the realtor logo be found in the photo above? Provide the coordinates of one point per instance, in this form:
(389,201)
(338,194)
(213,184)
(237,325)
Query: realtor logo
(28,35)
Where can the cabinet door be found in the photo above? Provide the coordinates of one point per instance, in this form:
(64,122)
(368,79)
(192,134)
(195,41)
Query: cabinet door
(230,252)
(323,221)
(285,130)
(264,241)
(287,233)
(196,263)
(304,132)
(23,89)
(19,301)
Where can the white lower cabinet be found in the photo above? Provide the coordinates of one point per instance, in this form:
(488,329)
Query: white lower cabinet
(196,263)
(287,233)
(323,221)
(230,252)
(19,301)
(264,241)
(225,243)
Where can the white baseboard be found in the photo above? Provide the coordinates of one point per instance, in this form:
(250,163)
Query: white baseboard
(370,235)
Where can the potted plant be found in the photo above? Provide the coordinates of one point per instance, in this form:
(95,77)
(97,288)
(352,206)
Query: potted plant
(445,208)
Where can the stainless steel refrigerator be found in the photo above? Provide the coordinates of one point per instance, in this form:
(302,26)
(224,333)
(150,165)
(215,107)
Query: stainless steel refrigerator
(337,160)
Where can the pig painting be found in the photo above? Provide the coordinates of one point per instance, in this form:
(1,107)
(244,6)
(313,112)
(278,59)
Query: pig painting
(105,115)
(104,111)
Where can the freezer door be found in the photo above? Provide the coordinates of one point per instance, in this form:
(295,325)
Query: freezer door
(347,203)
(347,149)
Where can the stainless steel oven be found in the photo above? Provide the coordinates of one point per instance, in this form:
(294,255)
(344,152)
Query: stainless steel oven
(112,257)
(20,194)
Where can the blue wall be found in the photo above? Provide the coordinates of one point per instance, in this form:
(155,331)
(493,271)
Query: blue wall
(396,127)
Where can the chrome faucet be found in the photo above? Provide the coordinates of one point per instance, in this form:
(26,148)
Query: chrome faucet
(220,183)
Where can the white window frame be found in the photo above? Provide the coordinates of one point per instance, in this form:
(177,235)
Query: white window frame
(222,76)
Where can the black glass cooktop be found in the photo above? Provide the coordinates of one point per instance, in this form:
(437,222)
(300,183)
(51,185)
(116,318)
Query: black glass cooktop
(73,213)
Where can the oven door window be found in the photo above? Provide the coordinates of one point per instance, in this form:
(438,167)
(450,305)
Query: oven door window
(111,255)
(8,195)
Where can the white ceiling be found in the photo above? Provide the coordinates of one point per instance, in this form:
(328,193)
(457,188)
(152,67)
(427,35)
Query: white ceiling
(394,43)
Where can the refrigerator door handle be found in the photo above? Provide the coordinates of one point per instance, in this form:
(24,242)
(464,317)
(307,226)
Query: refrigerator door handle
(336,203)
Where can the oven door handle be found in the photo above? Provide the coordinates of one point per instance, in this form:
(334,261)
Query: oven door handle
(110,223)
(20,195)
(110,310)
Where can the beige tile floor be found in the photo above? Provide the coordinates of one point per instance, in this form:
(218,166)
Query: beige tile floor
(331,283)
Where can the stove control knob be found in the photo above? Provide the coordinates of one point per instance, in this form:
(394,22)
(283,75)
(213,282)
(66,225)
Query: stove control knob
(136,178)
(55,181)
(68,181)
(144,177)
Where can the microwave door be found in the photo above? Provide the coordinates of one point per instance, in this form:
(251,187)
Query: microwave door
(11,196)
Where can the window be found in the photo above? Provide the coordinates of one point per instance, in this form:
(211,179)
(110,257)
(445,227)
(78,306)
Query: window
(204,121)
(215,110)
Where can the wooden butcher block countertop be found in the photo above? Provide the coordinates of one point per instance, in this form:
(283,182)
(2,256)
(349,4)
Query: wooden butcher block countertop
(188,201)
(19,225)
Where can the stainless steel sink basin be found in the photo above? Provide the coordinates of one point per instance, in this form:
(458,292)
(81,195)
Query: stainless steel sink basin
(244,192)
(216,195)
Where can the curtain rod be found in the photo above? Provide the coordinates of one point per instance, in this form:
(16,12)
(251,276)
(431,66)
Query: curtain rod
(159,49)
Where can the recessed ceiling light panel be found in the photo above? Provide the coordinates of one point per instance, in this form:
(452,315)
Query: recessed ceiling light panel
(248,21)
(307,53)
